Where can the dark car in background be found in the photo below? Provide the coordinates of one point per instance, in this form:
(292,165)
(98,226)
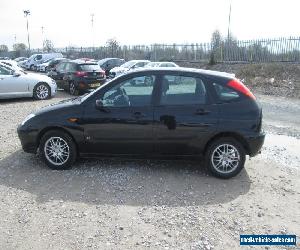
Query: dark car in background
(209,114)
(78,76)
(108,63)
(54,62)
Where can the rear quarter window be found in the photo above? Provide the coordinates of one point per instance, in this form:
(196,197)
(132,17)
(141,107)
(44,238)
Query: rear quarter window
(226,94)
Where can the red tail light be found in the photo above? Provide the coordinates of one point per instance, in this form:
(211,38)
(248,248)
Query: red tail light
(80,73)
(240,87)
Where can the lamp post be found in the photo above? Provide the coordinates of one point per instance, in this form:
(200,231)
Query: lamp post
(26,14)
(229,19)
(92,22)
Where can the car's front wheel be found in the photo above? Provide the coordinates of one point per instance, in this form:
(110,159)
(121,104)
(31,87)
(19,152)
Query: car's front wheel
(41,91)
(58,150)
(225,157)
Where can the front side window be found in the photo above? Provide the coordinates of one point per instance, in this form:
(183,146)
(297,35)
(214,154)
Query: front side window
(134,92)
(182,90)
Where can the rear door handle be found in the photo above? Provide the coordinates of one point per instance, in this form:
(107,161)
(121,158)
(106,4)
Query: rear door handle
(138,115)
(202,112)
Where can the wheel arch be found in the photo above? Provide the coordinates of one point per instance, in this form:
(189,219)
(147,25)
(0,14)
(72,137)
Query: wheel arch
(51,128)
(234,135)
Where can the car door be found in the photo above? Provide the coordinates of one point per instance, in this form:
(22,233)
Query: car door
(12,85)
(183,117)
(124,124)
(59,74)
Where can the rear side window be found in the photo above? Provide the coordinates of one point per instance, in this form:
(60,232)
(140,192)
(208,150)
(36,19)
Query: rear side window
(182,90)
(89,67)
(225,93)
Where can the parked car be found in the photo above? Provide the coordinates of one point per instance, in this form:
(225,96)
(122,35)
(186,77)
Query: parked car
(161,64)
(130,65)
(49,64)
(78,76)
(109,63)
(11,63)
(18,59)
(15,84)
(210,114)
(36,59)
(52,64)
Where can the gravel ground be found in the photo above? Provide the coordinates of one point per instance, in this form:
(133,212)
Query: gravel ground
(137,204)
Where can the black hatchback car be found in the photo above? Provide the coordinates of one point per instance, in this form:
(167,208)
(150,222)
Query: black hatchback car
(78,76)
(205,113)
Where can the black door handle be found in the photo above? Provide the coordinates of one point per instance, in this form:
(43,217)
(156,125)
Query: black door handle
(202,112)
(138,115)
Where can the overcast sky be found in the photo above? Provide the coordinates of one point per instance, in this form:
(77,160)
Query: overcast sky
(68,22)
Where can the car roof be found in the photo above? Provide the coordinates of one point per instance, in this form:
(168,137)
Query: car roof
(185,70)
(78,61)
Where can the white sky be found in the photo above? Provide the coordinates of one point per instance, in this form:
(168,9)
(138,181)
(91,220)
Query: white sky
(68,22)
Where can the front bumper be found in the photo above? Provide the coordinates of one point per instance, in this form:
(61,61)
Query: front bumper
(28,139)
(255,143)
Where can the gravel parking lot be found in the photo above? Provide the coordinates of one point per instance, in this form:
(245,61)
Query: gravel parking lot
(134,204)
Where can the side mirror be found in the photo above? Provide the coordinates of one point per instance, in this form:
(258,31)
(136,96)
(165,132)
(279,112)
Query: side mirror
(15,73)
(99,106)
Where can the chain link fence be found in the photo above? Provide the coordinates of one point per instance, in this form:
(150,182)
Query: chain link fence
(228,51)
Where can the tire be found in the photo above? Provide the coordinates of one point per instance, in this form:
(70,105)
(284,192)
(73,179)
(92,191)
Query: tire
(66,153)
(233,161)
(31,67)
(72,89)
(41,91)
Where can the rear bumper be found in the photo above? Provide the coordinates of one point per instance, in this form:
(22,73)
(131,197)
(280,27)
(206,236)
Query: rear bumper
(255,143)
(86,85)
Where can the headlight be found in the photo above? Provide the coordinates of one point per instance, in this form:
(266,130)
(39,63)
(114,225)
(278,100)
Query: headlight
(27,118)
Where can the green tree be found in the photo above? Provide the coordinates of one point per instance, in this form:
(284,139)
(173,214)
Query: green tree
(48,45)
(19,49)
(3,48)
(216,47)
(113,45)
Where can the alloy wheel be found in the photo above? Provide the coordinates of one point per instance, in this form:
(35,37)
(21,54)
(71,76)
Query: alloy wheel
(57,151)
(42,92)
(225,158)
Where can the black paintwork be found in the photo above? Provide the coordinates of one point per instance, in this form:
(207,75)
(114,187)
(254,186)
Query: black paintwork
(65,73)
(156,129)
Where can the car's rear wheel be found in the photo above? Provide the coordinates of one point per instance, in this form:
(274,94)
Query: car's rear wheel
(31,67)
(41,91)
(58,150)
(225,157)
(72,89)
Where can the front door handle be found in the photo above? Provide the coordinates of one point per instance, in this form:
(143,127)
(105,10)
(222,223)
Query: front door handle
(202,112)
(138,115)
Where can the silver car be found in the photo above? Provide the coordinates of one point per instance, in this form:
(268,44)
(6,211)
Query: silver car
(15,84)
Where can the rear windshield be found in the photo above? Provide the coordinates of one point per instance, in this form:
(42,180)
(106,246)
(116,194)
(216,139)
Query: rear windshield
(89,67)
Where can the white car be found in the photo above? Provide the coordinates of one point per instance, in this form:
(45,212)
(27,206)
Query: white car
(14,84)
(133,64)
(43,67)
(161,64)
(12,64)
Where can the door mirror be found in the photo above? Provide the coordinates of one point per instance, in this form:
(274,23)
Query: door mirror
(15,73)
(99,106)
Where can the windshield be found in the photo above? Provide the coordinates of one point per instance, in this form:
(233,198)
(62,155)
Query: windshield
(89,67)
(128,64)
(152,64)
(100,62)
(49,60)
